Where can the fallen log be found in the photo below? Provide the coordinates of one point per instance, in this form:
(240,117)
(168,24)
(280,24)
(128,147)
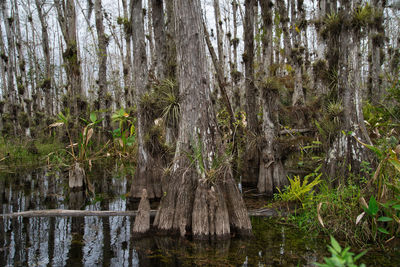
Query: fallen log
(106,213)
(72,213)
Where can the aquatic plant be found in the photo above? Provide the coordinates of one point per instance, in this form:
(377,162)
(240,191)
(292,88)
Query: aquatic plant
(300,191)
(341,257)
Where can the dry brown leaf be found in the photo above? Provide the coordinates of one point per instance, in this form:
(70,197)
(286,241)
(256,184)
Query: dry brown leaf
(359,217)
(363,202)
(319,216)
(89,135)
(56,124)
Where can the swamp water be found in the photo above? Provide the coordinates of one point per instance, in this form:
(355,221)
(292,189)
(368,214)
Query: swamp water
(107,241)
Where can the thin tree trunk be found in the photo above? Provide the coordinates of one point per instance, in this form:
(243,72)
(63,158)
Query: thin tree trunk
(11,105)
(171,69)
(271,174)
(200,199)
(251,160)
(297,54)
(267,47)
(284,19)
(47,82)
(376,42)
(3,65)
(22,84)
(127,61)
(149,37)
(159,38)
(220,34)
(68,24)
(220,77)
(10,58)
(102,59)
(248,58)
(235,72)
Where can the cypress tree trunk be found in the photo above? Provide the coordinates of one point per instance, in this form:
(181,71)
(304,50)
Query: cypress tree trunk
(284,19)
(3,65)
(127,60)
(11,104)
(220,34)
(68,24)
(171,68)
(102,59)
(376,42)
(201,198)
(271,173)
(47,82)
(345,150)
(157,8)
(297,52)
(250,173)
(148,172)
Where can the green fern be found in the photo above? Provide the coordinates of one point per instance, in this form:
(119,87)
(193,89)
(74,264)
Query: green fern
(298,191)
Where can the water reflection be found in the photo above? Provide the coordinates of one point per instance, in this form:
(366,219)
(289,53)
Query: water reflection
(108,241)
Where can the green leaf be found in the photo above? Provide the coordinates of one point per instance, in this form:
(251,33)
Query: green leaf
(383,230)
(373,206)
(93,117)
(356,258)
(375,150)
(396,207)
(395,163)
(335,244)
(384,219)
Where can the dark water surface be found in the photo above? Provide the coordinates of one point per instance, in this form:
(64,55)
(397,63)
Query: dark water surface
(107,241)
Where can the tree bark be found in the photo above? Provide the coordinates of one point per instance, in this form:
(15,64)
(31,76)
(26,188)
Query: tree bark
(345,150)
(22,84)
(284,19)
(3,65)
(148,173)
(127,60)
(142,220)
(297,52)
(68,24)
(271,174)
(248,59)
(102,61)
(375,43)
(171,67)
(11,104)
(251,158)
(157,7)
(47,82)
(220,34)
(200,199)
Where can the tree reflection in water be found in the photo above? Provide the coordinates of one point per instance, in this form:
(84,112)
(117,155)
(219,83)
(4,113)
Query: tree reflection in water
(107,241)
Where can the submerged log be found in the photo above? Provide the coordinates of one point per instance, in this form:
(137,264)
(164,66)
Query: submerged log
(72,213)
(142,220)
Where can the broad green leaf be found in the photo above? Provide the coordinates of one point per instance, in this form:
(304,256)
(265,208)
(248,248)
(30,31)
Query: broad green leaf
(384,219)
(93,117)
(373,206)
(383,230)
(396,207)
